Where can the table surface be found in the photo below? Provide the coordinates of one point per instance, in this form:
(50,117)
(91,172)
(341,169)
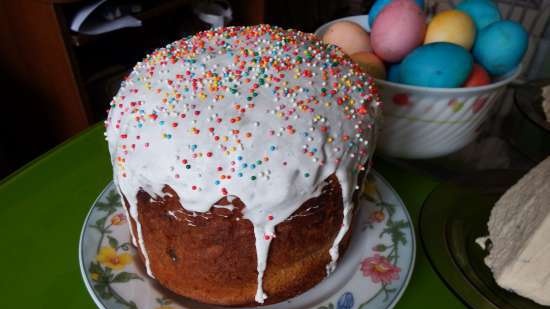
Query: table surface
(45,203)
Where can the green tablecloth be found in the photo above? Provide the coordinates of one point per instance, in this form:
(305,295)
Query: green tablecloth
(44,204)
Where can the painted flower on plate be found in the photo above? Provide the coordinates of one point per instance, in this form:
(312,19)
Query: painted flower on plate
(377,216)
(369,188)
(380,269)
(164,303)
(95,276)
(118,219)
(380,248)
(108,257)
(345,301)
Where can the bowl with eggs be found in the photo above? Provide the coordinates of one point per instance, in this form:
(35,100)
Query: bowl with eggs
(438,77)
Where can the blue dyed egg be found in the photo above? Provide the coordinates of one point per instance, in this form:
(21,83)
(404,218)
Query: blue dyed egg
(379,5)
(394,73)
(438,65)
(500,46)
(482,12)
(345,301)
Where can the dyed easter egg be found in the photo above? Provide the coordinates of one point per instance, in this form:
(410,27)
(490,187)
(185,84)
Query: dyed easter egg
(478,77)
(482,12)
(451,26)
(500,46)
(370,64)
(349,36)
(398,29)
(379,5)
(439,65)
(394,73)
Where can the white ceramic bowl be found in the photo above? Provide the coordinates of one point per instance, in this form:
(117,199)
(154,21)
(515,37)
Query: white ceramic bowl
(423,122)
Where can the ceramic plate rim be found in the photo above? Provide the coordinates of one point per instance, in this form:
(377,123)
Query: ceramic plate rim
(83,272)
(390,305)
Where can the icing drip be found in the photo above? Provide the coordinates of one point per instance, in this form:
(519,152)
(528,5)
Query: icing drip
(132,200)
(263,236)
(132,236)
(259,113)
(228,207)
(348,205)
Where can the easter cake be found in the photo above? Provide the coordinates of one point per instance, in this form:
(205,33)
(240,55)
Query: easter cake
(238,153)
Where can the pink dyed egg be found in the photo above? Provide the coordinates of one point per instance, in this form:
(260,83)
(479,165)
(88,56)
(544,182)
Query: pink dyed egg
(397,30)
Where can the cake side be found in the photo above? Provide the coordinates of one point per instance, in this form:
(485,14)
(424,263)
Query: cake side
(519,228)
(211,257)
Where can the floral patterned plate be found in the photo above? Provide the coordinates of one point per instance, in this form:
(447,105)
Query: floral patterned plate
(372,274)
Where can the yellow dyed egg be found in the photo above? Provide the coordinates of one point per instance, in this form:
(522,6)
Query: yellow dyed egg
(370,64)
(452,26)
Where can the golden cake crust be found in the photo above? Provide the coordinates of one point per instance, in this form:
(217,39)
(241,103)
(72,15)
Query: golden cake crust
(211,257)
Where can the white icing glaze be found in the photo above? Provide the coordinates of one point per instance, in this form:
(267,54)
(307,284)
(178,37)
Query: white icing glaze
(132,236)
(259,113)
(228,207)
(173,214)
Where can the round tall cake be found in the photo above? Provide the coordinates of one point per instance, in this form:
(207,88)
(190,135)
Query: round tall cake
(238,153)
